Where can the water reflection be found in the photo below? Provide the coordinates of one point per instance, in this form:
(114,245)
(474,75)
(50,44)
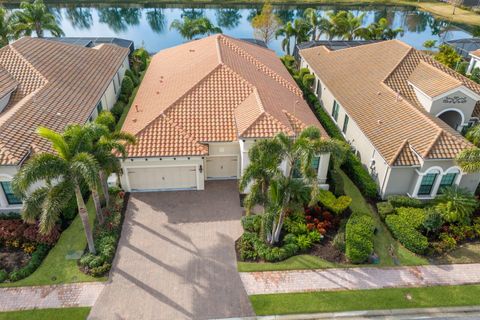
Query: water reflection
(149,26)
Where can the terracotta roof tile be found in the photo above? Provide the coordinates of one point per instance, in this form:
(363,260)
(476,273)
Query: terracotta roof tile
(371,83)
(58,84)
(214,89)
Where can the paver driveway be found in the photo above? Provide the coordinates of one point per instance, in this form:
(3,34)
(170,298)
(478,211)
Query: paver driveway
(176,258)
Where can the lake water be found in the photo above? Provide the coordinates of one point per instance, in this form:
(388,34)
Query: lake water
(150,26)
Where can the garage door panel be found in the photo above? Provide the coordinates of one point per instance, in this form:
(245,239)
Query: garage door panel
(222,167)
(162,178)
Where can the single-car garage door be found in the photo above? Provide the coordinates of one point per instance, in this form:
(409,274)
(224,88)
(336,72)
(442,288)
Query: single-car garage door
(162,178)
(222,167)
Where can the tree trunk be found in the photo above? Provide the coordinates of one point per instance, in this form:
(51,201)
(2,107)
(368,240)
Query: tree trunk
(104,182)
(98,206)
(82,211)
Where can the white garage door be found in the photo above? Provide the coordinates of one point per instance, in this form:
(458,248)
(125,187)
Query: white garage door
(222,167)
(162,178)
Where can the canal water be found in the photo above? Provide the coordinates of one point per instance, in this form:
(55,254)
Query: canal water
(149,26)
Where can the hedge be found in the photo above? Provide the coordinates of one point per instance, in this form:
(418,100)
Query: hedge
(352,165)
(411,239)
(359,234)
(404,201)
(384,209)
(413,216)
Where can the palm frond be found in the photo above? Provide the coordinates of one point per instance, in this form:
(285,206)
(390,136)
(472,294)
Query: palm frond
(85,165)
(56,139)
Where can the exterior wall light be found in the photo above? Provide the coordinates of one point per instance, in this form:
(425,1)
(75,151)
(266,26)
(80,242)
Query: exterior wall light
(200,169)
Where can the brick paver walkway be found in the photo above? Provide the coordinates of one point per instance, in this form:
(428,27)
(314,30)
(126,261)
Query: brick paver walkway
(358,278)
(55,296)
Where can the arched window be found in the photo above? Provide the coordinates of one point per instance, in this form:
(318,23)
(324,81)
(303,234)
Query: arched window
(448,179)
(428,181)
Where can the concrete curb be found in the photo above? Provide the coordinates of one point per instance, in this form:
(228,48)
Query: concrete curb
(395,313)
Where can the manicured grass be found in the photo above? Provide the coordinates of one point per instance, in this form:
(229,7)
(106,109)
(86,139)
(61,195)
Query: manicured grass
(50,314)
(467,253)
(384,243)
(397,298)
(299,262)
(55,268)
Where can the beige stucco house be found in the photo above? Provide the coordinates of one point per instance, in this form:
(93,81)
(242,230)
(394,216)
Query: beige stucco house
(51,84)
(201,106)
(400,110)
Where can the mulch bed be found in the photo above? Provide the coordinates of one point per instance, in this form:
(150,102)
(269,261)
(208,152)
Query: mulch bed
(11,259)
(327,251)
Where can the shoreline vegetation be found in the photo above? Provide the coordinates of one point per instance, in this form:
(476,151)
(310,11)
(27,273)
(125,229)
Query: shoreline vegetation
(438,9)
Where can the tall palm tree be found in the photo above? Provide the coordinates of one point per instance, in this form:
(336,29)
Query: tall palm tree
(5,27)
(107,144)
(35,17)
(469,159)
(190,28)
(314,20)
(63,173)
(379,31)
(347,24)
(264,164)
(298,30)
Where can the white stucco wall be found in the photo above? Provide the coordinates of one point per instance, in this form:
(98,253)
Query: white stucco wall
(6,174)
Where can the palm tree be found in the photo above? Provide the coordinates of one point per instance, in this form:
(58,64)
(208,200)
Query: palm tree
(469,159)
(5,27)
(456,204)
(298,30)
(314,21)
(35,17)
(63,174)
(326,27)
(379,31)
(264,164)
(346,24)
(190,28)
(107,142)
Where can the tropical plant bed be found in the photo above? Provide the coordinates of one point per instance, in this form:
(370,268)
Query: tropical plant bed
(311,232)
(106,237)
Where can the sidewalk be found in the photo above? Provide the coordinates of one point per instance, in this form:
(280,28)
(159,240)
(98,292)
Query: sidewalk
(54,296)
(269,282)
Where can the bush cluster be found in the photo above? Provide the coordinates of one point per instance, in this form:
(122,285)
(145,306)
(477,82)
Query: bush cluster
(359,234)
(332,203)
(405,232)
(415,217)
(15,230)
(384,209)
(32,265)
(106,238)
(360,176)
(404,201)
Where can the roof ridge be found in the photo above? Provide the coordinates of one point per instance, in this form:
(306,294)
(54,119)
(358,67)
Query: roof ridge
(262,67)
(429,65)
(395,68)
(21,57)
(397,153)
(219,52)
(427,151)
(179,98)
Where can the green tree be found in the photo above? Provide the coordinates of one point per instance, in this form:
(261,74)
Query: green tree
(264,164)
(430,44)
(63,174)
(346,24)
(314,20)
(456,205)
(298,30)
(469,160)
(379,31)
(6,33)
(190,28)
(266,24)
(448,56)
(36,17)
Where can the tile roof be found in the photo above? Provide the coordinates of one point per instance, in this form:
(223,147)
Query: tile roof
(216,89)
(58,84)
(372,83)
(7,83)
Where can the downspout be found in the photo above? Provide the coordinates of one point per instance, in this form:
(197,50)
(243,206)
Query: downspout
(384,179)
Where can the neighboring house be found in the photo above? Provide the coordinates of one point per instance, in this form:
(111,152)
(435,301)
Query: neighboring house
(400,110)
(330,44)
(464,46)
(201,106)
(474,61)
(51,84)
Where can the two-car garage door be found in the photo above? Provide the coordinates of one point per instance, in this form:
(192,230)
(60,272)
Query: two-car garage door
(162,178)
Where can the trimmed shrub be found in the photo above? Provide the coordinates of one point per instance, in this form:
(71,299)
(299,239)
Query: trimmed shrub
(384,209)
(359,237)
(308,80)
(433,221)
(360,176)
(304,242)
(133,76)
(413,216)
(403,231)
(3,275)
(32,265)
(117,109)
(127,89)
(332,203)
(336,181)
(302,72)
(252,223)
(404,201)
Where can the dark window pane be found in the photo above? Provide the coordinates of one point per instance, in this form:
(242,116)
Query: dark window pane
(296,170)
(7,189)
(345,124)
(447,181)
(427,183)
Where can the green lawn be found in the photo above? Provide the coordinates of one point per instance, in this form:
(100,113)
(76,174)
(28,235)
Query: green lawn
(398,298)
(55,268)
(466,253)
(44,314)
(384,243)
